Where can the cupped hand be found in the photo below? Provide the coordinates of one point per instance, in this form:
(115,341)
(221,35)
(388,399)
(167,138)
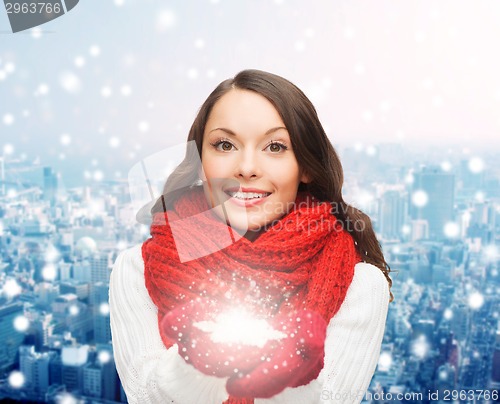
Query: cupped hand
(295,361)
(292,360)
(197,347)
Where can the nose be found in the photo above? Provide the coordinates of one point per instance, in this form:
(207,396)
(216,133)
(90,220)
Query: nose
(248,166)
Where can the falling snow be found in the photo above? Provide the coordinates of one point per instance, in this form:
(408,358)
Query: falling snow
(16,379)
(419,198)
(21,323)
(70,82)
(475,300)
(476,165)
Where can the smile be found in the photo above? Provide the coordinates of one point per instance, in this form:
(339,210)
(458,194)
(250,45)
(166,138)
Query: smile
(247,198)
(247,195)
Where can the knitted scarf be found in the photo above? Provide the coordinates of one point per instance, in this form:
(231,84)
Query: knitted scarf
(304,260)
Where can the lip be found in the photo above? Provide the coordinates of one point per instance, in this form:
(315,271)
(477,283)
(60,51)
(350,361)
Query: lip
(251,202)
(242,189)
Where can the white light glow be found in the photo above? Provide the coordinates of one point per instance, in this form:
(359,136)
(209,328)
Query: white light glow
(448,314)
(475,300)
(79,61)
(420,198)
(114,142)
(11,288)
(479,196)
(385,361)
(70,82)
(371,150)
(443,375)
(491,252)
(165,20)
(143,126)
(21,323)
(126,90)
(420,347)
(43,89)
(238,326)
(104,309)
(65,139)
(49,272)
(476,165)
(36,32)
(8,119)
(98,175)
(409,178)
(446,166)
(106,92)
(66,398)
(451,229)
(94,51)
(10,67)
(74,310)
(16,379)
(104,356)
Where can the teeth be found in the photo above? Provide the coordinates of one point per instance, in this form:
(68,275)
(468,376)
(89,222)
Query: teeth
(247,195)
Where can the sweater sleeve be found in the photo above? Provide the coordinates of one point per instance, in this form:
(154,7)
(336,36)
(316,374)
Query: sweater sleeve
(149,372)
(352,345)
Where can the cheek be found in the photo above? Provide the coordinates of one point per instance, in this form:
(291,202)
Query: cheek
(219,166)
(210,167)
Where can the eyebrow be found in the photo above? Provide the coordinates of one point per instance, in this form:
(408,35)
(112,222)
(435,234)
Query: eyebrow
(231,133)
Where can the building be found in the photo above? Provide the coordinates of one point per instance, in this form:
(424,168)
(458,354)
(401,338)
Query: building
(101,265)
(11,338)
(92,380)
(49,185)
(391,214)
(439,188)
(35,367)
(102,327)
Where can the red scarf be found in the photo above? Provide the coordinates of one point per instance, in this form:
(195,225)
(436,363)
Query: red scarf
(304,260)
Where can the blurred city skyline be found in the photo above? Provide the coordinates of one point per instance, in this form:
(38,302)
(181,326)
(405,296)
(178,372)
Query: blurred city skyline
(102,90)
(437,219)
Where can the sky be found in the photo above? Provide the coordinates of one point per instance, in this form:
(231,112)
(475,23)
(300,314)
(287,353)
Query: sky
(94,91)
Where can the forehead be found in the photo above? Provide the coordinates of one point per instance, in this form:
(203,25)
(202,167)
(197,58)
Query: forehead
(243,107)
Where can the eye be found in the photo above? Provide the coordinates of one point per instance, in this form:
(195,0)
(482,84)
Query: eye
(222,145)
(276,147)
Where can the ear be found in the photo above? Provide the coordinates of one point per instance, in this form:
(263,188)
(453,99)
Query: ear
(305,178)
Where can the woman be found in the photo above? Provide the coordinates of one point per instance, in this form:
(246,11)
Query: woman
(268,231)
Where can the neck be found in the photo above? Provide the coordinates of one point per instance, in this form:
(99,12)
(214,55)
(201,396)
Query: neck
(252,235)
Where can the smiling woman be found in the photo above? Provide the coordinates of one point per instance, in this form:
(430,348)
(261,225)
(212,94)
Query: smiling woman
(258,156)
(301,263)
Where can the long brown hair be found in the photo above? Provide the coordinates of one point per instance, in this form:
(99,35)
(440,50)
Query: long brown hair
(313,150)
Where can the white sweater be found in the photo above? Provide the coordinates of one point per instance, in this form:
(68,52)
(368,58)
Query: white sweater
(151,373)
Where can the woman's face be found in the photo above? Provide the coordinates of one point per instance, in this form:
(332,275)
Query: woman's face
(248,162)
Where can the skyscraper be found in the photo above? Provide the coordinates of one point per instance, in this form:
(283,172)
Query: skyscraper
(99,298)
(391,214)
(11,339)
(49,184)
(438,188)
